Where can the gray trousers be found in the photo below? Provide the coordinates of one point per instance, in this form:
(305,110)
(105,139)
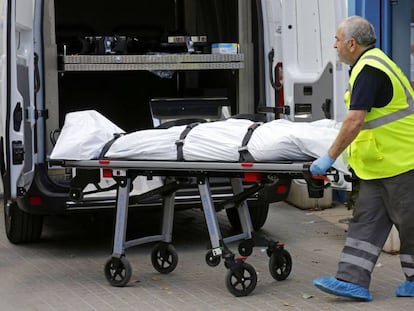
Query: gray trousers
(380,204)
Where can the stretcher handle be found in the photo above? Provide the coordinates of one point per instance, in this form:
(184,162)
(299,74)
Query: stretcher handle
(321,177)
(317,183)
(333,173)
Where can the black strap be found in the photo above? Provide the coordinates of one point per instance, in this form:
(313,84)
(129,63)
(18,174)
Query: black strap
(180,142)
(245,155)
(108,145)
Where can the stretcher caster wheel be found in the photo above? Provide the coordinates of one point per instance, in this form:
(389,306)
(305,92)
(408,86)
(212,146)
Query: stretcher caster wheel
(241,279)
(246,247)
(212,260)
(164,258)
(280,264)
(118,271)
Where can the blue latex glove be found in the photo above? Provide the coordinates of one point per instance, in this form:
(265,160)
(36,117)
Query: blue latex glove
(321,165)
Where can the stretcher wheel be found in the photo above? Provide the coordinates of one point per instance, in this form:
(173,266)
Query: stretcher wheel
(212,260)
(118,271)
(246,247)
(164,258)
(280,264)
(241,280)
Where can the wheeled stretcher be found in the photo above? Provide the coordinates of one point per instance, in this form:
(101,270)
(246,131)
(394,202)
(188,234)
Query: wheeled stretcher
(241,277)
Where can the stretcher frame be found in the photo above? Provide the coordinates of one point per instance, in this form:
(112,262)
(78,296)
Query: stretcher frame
(241,277)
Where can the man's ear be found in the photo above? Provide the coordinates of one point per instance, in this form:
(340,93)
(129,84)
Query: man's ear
(352,45)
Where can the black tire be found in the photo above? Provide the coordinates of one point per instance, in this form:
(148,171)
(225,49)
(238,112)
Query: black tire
(212,260)
(20,226)
(164,258)
(118,272)
(280,264)
(242,280)
(258,214)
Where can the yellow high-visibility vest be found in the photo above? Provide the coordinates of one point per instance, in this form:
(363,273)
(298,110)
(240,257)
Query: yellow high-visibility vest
(385,145)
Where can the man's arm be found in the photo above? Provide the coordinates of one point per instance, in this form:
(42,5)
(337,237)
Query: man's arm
(351,126)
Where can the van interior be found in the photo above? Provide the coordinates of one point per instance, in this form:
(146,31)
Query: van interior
(127,27)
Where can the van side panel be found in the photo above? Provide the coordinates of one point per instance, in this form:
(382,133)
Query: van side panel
(309,59)
(20,120)
(25,86)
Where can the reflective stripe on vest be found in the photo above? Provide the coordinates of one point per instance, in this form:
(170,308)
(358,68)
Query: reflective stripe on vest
(395,115)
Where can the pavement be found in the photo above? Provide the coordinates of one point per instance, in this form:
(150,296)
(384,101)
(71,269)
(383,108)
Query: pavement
(64,271)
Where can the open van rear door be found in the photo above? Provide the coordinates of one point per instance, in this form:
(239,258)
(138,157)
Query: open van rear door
(304,78)
(17,101)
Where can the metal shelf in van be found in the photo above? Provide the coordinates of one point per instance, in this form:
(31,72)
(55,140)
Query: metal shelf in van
(152,62)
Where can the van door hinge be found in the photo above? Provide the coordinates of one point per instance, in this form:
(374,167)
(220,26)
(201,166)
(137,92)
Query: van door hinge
(17,152)
(42,114)
(37,114)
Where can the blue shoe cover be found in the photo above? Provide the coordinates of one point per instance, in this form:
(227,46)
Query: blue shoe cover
(405,289)
(336,287)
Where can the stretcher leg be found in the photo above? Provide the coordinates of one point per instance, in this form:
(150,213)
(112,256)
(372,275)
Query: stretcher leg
(168,193)
(168,217)
(214,255)
(164,258)
(243,210)
(280,261)
(241,277)
(210,215)
(245,247)
(118,270)
(121,219)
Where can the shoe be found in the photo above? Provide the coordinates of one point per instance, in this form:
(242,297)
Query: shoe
(336,287)
(405,289)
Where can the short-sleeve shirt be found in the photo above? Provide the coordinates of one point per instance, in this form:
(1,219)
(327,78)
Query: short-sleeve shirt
(372,88)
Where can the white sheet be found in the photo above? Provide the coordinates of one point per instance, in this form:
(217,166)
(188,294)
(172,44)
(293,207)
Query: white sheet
(83,136)
(86,132)
(153,144)
(287,140)
(216,141)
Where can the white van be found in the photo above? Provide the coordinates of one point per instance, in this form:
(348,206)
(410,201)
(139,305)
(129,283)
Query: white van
(119,58)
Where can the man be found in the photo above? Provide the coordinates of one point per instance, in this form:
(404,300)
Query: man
(378,134)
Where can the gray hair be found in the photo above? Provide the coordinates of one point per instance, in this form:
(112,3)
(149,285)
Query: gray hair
(360,29)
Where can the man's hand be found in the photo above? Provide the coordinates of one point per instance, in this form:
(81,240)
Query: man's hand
(321,165)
